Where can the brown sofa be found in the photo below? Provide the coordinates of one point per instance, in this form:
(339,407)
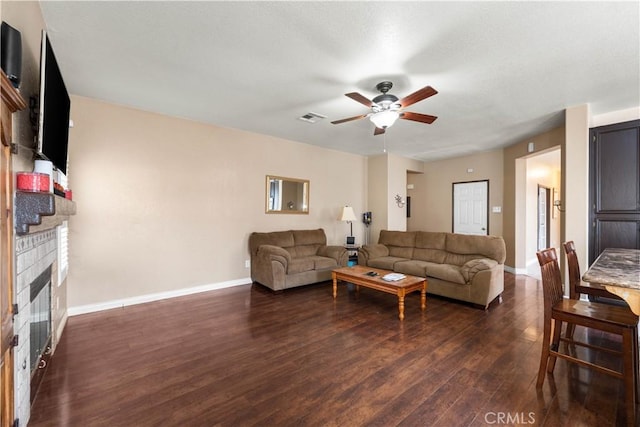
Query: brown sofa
(464,267)
(285,259)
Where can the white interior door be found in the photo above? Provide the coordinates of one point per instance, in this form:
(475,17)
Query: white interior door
(470,207)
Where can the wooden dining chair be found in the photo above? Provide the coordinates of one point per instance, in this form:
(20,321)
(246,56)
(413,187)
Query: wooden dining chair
(576,286)
(603,317)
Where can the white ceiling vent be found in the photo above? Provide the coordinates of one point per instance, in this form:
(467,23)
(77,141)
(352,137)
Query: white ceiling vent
(312,117)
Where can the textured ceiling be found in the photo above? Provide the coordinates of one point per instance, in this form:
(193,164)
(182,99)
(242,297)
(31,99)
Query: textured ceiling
(504,70)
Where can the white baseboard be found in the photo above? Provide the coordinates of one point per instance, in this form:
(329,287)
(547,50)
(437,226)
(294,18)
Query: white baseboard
(141,299)
(512,270)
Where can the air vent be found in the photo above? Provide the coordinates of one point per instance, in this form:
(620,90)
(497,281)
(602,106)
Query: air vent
(312,117)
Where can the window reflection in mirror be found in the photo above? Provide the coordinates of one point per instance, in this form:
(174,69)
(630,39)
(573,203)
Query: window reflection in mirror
(287,195)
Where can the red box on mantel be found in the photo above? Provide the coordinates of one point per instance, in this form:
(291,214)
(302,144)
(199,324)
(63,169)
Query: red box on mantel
(32,181)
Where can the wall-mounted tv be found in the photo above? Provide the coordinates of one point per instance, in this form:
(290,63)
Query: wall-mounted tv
(53,117)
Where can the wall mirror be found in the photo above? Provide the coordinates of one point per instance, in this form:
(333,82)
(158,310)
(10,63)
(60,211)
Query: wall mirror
(287,195)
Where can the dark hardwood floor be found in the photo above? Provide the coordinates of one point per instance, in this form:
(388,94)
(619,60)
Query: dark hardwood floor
(245,356)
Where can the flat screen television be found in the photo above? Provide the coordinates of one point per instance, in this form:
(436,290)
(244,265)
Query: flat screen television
(53,116)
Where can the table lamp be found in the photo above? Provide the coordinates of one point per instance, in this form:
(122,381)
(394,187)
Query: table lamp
(349,216)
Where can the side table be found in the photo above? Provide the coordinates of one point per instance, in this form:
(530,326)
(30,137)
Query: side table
(352,250)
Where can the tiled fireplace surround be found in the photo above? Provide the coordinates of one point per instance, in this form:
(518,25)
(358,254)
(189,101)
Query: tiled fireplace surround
(34,254)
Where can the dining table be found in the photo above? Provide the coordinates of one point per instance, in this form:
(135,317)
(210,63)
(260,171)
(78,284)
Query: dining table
(618,271)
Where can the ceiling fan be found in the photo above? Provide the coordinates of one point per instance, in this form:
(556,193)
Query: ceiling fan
(387,108)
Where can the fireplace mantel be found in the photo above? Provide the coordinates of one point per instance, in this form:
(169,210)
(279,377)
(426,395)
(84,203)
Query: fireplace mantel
(41,211)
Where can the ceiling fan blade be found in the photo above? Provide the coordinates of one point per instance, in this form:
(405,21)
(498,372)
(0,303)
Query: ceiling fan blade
(378,131)
(337,122)
(418,95)
(417,117)
(360,98)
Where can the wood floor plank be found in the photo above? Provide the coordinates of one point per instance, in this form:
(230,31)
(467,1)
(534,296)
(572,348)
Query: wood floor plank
(245,356)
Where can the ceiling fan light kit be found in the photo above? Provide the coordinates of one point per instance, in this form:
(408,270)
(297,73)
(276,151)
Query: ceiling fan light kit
(384,119)
(387,108)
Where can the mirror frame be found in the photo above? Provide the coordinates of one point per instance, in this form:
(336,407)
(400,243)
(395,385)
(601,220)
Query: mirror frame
(305,183)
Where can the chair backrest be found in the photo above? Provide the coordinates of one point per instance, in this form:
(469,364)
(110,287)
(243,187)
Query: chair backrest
(574,269)
(551,279)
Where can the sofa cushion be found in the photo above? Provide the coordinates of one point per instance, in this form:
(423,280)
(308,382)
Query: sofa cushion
(309,237)
(307,242)
(283,239)
(299,265)
(430,246)
(322,262)
(306,250)
(335,252)
(405,239)
(401,252)
(400,243)
(385,262)
(459,259)
(376,250)
(431,240)
(431,255)
(448,272)
(293,253)
(412,267)
(482,246)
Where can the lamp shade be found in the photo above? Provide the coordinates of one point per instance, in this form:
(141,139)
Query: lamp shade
(384,119)
(347,214)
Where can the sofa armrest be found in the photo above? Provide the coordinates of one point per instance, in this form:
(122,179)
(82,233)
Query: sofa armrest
(487,285)
(339,253)
(270,265)
(369,252)
(271,253)
(470,268)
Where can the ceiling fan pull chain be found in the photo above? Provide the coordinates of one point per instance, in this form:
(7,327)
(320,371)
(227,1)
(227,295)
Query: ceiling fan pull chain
(384,147)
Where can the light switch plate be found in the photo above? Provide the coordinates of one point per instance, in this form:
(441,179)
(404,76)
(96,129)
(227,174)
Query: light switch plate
(496,209)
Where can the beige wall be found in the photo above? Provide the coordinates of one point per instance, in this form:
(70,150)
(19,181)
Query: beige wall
(575,167)
(165,203)
(378,189)
(514,208)
(399,168)
(612,117)
(387,175)
(431,197)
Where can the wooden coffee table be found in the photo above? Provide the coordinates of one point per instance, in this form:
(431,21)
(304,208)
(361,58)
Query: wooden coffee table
(358,276)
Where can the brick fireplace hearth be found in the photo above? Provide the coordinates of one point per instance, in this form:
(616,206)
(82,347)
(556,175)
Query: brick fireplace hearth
(40,301)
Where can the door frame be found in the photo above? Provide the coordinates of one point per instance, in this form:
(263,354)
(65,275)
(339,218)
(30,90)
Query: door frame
(453,202)
(547,215)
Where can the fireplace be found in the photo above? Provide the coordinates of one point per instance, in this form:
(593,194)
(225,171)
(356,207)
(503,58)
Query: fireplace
(36,288)
(40,319)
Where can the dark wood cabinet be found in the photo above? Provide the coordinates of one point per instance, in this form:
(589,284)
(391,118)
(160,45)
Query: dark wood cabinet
(614,187)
